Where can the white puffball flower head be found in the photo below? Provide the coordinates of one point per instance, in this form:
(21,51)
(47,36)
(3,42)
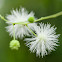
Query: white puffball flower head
(17,16)
(45,41)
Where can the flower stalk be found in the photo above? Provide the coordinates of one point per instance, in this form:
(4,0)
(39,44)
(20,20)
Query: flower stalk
(31,31)
(13,32)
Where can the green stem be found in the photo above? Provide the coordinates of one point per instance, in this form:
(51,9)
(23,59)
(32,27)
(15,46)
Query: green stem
(31,31)
(13,32)
(42,18)
(51,16)
(22,23)
(4,19)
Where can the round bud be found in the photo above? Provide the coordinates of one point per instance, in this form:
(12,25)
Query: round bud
(14,44)
(31,19)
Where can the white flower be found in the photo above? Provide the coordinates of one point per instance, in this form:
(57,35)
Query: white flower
(16,17)
(45,41)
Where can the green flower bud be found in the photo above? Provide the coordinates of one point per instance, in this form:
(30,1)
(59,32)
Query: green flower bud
(31,19)
(14,44)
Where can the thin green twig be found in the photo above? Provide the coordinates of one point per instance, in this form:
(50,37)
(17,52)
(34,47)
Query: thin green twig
(31,31)
(42,18)
(48,17)
(13,32)
(24,23)
(4,19)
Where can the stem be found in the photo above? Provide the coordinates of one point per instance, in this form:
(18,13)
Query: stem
(21,23)
(31,31)
(42,18)
(13,32)
(51,16)
(4,19)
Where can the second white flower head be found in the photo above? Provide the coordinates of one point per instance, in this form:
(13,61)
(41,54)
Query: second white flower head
(45,41)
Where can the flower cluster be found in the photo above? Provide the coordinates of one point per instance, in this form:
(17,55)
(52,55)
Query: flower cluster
(43,36)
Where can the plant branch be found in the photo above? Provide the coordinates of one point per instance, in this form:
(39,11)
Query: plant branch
(51,16)
(42,18)
(4,19)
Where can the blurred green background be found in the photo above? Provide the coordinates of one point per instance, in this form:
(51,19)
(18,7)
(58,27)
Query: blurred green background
(41,8)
